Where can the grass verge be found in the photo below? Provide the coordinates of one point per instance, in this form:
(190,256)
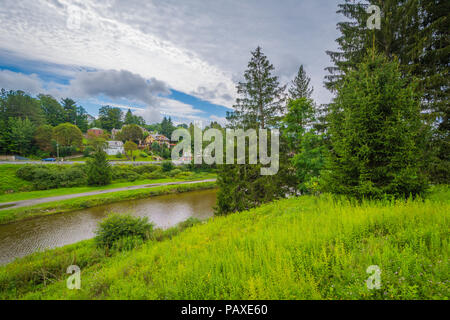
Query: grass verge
(9,182)
(18,196)
(12,215)
(300,248)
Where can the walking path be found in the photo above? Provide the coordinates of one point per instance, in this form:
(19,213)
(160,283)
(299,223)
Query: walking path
(32,202)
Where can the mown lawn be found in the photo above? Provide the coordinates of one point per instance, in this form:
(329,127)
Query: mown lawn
(300,248)
(9,182)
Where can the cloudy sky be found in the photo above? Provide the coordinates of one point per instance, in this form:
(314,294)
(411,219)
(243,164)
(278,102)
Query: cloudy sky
(180,58)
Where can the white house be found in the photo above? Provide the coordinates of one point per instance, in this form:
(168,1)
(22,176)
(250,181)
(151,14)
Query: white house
(114,147)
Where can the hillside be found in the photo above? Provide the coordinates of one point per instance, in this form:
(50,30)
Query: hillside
(300,248)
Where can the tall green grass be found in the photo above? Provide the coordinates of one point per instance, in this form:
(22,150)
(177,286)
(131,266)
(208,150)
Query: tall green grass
(301,248)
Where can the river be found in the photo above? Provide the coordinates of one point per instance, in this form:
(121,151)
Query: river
(25,237)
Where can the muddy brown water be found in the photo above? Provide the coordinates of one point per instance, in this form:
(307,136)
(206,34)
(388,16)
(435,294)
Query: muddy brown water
(25,237)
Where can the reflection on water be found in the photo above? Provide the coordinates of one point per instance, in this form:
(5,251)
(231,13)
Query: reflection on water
(25,237)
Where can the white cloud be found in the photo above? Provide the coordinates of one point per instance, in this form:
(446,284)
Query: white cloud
(39,29)
(18,81)
(194,46)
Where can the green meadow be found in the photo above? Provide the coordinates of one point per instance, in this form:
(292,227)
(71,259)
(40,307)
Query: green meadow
(299,248)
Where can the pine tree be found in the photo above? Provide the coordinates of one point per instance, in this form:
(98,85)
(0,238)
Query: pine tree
(375,129)
(300,86)
(99,169)
(261,99)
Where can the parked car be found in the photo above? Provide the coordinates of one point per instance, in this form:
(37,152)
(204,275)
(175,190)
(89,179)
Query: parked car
(49,159)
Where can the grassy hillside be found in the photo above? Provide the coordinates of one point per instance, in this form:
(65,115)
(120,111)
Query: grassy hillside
(302,248)
(9,181)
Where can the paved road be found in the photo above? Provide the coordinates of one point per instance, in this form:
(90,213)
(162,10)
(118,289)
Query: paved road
(32,202)
(81,162)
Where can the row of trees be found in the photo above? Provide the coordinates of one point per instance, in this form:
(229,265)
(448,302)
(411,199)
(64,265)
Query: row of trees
(33,126)
(383,134)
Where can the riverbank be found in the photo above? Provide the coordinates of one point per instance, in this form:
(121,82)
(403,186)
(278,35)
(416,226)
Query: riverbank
(17,214)
(300,248)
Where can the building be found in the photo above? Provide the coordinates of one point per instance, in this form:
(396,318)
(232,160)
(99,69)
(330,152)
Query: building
(114,147)
(97,132)
(158,138)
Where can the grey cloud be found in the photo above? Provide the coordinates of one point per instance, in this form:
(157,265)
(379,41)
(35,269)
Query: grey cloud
(219,91)
(118,84)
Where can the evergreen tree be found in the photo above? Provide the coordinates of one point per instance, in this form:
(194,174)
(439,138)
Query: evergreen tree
(261,98)
(167,127)
(128,117)
(70,109)
(110,118)
(260,105)
(300,86)
(416,33)
(54,113)
(375,130)
(306,146)
(99,171)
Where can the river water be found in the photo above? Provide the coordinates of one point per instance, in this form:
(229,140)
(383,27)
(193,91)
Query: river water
(25,237)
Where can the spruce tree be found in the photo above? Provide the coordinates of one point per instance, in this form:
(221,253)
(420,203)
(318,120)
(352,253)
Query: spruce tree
(416,33)
(300,86)
(261,105)
(99,171)
(261,98)
(375,133)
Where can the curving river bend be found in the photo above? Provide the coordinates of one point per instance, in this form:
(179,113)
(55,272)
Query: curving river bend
(25,237)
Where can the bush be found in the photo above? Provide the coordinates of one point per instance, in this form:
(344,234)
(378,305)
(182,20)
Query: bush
(174,172)
(45,177)
(143,155)
(119,155)
(146,169)
(116,227)
(87,151)
(155,175)
(124,173)
(167,166)
(184,174)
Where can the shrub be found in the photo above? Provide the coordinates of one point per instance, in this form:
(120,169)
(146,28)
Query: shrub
(124,173)
(155,175)
(174,172)
(167,166)
(116,227)
(87,151)
(146,169)
(143,155)
(46,177)
(119,155)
